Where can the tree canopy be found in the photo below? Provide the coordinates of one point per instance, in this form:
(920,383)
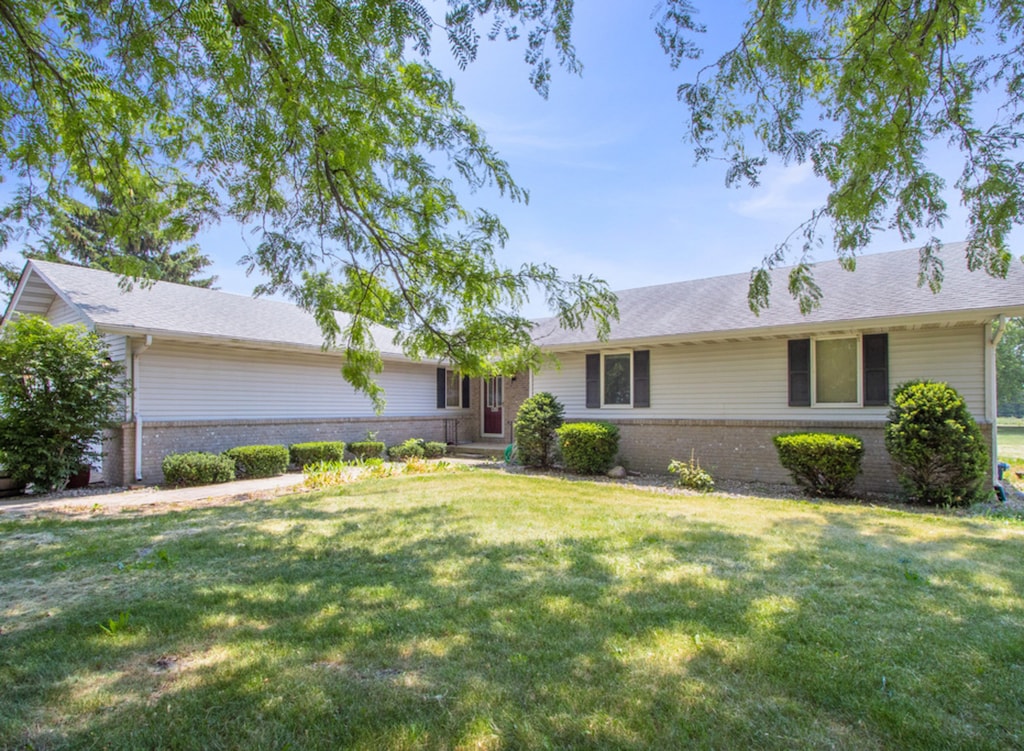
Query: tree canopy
(862,89)
(1010,369)
(324,125)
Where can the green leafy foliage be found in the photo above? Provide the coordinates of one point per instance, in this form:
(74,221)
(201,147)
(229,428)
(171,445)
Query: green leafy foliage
(58,391)
(434,449)
(366,449)
(1010,369)
(259,460)
(197,468)
(411,448)
(822,464)
(691,475)
(301,454)
(536,422)
(939,451)
(323,126)
(860,91)
(588,448)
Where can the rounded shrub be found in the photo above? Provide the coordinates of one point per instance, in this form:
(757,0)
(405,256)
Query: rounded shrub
(823,464)
(536,422)
(588,448)
(412,448)
(301,454)
(366,449)
(434,449)
(197,468)
(938,450)
(259,460)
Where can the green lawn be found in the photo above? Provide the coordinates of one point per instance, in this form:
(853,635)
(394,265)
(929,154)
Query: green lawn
(484,611)
(1011,441)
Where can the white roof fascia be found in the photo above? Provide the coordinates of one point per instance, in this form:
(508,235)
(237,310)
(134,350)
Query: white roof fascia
(31,268)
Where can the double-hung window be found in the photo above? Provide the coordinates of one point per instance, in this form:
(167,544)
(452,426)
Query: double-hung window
(845,371)
(619,379)
(452,389)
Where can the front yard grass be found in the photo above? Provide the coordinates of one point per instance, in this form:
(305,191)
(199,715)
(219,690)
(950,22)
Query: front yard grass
(487,611)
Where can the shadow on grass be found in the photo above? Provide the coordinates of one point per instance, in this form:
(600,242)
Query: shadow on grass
(341,622)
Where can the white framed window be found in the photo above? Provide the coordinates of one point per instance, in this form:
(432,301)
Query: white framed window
(836,370)
(617,379)
(452,389)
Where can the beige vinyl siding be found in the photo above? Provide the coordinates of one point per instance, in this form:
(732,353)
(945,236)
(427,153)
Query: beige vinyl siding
(60,313)
(749,380)
(182,382)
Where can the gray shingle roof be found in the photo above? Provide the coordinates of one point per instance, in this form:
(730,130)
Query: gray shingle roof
(883,287)
(189,312)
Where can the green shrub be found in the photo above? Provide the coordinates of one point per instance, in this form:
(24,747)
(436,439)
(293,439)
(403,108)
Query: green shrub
(434,449)
(588,448)
(536,422)
(690,475)
(407,450)
(58,391)
(302,454)
(367,449)
(939,452)
(823,464)
(197,468)
(259,461)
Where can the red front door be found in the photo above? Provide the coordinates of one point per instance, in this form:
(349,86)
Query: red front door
(492,406)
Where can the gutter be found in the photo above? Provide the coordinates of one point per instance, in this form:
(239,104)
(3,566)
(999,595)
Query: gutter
(136,370)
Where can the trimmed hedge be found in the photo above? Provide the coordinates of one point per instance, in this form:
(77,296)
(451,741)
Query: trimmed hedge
(434,449)
(823,464)
(197,468)
(259,461)
(406,450)
(302,454)
(366,449)
(588,448)
(939,452)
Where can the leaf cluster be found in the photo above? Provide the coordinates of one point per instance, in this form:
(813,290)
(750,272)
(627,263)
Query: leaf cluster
(863,91)
(58,391)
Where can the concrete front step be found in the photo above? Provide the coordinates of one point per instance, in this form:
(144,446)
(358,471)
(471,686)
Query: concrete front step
(478,450)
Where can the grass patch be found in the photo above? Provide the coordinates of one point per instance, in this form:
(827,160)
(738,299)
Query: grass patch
(1011,442)
(482,610)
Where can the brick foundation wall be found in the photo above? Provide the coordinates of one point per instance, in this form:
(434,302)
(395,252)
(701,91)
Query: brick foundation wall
(162,438)
(743,450)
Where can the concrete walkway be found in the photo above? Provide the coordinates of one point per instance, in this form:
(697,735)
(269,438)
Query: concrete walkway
(263,487)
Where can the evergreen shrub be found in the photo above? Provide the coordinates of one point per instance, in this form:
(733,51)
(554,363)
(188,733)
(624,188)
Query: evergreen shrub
(536,422)
(822,464)
(259,460)
(939,451)
(302,454)
(197,468)
(588,448)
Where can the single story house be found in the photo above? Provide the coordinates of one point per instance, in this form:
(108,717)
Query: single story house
(211,370)
(689,368)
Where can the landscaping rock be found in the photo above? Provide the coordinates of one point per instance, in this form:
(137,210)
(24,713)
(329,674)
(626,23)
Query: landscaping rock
(617,473)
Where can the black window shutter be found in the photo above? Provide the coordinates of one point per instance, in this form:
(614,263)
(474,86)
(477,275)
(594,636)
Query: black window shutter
(442,402)
(876,370)
(593,381)
(465,391)
(799,372)
(642,378)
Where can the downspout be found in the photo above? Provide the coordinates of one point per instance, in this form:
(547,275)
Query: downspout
(136,370)
(991,401)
